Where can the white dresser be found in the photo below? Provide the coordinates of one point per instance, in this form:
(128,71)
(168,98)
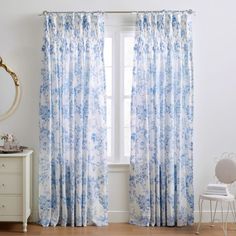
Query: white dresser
(15,187)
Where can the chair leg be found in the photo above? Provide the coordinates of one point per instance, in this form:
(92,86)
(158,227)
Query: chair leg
(232,211)
(226,220)
(211,213)
(232,208)
(200,215)
(214,214)
(224,223)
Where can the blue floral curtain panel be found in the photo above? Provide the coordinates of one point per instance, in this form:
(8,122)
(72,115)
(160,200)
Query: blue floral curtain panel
(72,172)
(161,178)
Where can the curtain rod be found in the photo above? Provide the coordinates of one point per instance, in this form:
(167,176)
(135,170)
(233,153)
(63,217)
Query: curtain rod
(190,11)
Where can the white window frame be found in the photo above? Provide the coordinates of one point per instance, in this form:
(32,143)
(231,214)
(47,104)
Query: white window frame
(118,33)
(123,34)
(109,34)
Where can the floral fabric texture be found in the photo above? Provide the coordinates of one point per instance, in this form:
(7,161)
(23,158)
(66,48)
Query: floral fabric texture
(72,164)
(161,174)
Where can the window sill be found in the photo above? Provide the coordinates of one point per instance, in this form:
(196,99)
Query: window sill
(118,164)
(118,167)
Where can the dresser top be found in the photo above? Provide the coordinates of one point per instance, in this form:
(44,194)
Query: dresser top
(25,152)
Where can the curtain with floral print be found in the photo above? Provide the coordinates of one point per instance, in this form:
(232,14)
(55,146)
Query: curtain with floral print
(161,171)
(72,159)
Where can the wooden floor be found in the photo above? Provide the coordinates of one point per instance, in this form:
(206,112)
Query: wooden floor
(112,230)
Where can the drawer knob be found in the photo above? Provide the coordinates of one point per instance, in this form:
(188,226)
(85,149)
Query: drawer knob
(3,206)
(3,185)
(3,165)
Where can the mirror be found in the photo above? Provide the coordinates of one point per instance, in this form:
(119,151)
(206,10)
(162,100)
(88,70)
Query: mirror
(9,91)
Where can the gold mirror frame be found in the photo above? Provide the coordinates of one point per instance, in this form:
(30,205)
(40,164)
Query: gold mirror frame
(17,95)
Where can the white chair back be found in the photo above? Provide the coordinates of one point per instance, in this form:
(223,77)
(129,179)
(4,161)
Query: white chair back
(225,171)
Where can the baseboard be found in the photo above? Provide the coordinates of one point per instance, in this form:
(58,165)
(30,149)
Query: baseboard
(34,216)
(113,216)
(118,216)
(206,216)
(123,216)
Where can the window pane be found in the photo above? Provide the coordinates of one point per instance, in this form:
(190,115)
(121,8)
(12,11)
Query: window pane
(109,143)
(129,50)
(128,76)
(108,51)
(127,105)
(127,142)
(108,71)
(109,113)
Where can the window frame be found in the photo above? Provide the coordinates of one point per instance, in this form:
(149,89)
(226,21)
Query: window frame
(109,34)
(117,34)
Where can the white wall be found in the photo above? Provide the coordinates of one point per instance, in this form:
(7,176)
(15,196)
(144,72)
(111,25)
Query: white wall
(214,67)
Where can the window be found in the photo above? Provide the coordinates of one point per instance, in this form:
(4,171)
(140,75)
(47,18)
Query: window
(108,75)
(118,57)
(127,70)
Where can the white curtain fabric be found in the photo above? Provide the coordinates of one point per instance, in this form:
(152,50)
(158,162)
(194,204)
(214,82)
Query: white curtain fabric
(161,174)
(72,161)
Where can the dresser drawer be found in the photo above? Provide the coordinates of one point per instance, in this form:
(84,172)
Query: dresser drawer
(10,205)
(10,165)
(10,184)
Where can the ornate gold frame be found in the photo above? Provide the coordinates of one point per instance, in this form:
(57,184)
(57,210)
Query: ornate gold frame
(17,95)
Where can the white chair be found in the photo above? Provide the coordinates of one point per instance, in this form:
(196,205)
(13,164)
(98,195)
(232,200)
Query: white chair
(225,171)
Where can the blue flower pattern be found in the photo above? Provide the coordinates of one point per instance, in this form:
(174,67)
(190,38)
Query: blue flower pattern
(72,159)
(161,166)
